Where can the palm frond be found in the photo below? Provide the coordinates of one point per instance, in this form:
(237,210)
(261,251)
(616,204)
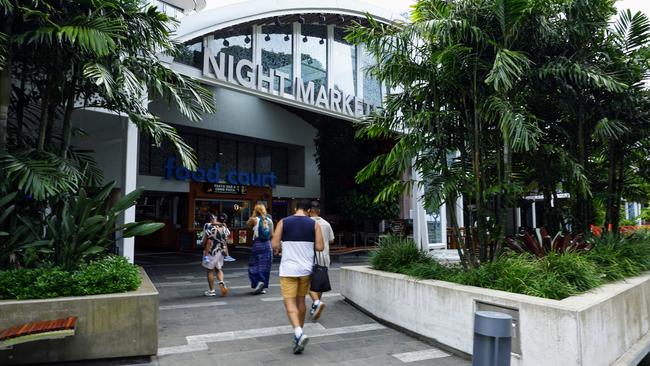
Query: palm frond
(632,31)
(508,68)
(582,75)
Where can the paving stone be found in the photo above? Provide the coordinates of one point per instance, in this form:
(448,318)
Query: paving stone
(243,311)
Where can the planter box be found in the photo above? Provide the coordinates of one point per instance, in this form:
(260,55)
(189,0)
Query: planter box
(112,325)
(608,325)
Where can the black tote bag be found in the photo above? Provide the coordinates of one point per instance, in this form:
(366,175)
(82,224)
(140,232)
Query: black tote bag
(320,279)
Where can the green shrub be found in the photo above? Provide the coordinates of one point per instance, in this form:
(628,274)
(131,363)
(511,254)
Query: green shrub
(107,275)
(574,269)
(395,254)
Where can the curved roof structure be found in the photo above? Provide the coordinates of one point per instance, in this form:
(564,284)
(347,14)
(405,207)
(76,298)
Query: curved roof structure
(188,5)
(213,19)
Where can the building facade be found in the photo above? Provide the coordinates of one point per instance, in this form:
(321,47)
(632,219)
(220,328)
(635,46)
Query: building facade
(263,60)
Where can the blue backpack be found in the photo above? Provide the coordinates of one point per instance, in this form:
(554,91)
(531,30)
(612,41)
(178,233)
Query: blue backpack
(263,232)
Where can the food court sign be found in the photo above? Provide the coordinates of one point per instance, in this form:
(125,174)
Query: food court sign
(249,75)
(214,174)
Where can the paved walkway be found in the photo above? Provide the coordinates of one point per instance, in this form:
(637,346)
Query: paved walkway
(244,329)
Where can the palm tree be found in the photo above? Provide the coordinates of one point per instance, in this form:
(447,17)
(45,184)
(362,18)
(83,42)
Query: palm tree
(486,88)
(60,56)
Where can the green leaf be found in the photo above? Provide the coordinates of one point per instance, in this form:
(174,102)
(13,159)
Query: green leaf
(142,229)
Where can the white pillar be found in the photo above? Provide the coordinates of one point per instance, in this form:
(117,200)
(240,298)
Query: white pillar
(126,246)
(534,215)
(517,218)
(420,233)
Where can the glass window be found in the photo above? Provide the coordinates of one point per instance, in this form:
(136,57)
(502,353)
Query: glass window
(207,151)
(144,165)
(276,45)
(344,63)
(313,55)
(262,159)
(280,164)
(237,43)
(246,157)
(371,87)
(228,155)
(190,53)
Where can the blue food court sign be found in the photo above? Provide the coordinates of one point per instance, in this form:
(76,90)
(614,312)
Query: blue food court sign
(215,175)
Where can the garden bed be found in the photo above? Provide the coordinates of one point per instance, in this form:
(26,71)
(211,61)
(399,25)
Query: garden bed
(591,329)
(108,326)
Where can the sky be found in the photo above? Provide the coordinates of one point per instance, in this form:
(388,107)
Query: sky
(400,6)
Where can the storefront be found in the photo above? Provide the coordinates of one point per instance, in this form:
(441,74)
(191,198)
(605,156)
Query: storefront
(262,61)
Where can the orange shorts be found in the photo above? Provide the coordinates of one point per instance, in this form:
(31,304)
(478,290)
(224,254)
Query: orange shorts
(294,286)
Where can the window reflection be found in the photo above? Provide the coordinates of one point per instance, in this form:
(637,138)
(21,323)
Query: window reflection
(237,43)
(276,43)
(190,53)
(313,55)
(344,63)
(371,87)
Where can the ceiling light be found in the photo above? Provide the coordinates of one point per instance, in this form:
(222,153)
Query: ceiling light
(247,39)
(226,43)
(304,39)
(287,38)
(267,38)
(322,41)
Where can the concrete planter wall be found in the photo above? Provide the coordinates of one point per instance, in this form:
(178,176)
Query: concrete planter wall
(607,326)
(112,325)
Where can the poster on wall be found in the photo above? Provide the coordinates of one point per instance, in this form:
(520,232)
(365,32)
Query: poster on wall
(242,236)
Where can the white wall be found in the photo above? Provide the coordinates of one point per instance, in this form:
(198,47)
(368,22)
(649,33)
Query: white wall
(241,114)
(106,133)
(596,328)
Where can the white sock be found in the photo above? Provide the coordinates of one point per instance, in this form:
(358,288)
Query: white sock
(316,302)
(297,331)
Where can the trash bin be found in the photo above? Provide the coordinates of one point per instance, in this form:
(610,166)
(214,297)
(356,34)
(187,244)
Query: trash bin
(492,339)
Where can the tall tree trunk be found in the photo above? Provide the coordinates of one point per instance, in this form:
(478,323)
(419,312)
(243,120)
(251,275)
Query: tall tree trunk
(5,99)
(67,116)
(45,107)
(611,188)
(581,199)
(5,85)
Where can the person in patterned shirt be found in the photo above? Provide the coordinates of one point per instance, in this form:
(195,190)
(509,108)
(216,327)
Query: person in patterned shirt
(215,246)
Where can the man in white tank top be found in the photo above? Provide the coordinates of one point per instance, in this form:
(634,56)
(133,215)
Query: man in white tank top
(298,236)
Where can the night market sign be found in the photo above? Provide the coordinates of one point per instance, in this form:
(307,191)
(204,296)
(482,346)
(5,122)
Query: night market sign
(214,174)
(249,75)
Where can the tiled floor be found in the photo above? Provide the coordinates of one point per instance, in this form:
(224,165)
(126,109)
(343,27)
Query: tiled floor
(244,329)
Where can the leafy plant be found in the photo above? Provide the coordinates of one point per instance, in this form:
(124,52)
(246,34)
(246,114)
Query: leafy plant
(395,253)
(561,243)
(17,232)
(109,274)
(82,226)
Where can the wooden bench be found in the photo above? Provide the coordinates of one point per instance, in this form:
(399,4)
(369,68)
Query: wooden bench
(36,331)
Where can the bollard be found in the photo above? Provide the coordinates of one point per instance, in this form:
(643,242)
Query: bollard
(492,339)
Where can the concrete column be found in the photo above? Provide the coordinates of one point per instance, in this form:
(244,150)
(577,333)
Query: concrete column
(126,246)
(420,233)
(534,215)
(517,218)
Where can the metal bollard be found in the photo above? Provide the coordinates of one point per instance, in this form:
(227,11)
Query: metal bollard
(492,339)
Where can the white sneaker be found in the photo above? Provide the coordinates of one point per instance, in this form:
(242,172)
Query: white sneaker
(259,288)
(210,293)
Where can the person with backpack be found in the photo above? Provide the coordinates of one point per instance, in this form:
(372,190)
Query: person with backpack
(259,266)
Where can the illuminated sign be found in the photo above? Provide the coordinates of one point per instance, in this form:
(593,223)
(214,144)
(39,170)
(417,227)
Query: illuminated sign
(213,174)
